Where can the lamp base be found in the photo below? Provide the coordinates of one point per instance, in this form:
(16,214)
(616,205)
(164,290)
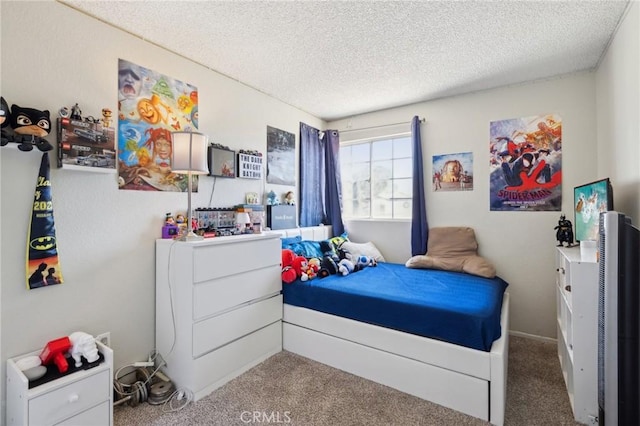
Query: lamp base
(191,236)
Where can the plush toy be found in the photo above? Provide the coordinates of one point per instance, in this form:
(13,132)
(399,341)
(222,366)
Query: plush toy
(345,267)
(327,267)
(299,264)
(4,121)
(363,261)
(272,199)
(29,126)
(313,267)
(288,273)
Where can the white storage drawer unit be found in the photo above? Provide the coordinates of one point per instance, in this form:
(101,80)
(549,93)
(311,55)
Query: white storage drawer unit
(218,307)
(577,310)
(84,397)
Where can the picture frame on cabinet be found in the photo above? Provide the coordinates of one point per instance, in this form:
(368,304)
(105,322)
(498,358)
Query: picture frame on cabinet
(222,162)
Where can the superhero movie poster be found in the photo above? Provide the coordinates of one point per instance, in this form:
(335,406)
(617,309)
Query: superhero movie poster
(150,107)
(526,164)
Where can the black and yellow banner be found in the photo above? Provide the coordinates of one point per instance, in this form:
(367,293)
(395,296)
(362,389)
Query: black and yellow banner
(43,268)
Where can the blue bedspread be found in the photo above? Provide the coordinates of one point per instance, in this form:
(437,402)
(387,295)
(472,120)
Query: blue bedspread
(454,307)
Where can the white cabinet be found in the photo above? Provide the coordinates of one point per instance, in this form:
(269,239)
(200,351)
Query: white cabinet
(577,310)
(218,307)
(82,397)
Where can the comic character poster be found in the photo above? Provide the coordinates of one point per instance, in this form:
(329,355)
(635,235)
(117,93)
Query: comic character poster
(526,164)
(150,107)
(43,268)
(281,157)
(453,172)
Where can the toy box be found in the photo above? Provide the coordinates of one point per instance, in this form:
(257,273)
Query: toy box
(85,145)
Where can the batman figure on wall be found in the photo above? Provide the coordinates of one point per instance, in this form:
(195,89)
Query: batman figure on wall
(28,127)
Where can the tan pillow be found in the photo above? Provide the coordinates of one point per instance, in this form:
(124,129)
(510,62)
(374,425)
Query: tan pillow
(453,249)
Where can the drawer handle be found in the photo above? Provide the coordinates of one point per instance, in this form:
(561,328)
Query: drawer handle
(568,288)
(561,270)
(73,398)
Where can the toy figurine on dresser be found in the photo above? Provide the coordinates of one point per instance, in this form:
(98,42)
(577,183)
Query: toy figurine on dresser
(564,232)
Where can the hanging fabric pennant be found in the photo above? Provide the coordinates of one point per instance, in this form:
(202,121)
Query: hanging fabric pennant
(42,251)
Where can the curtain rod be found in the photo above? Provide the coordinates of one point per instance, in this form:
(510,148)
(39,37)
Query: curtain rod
(422,120)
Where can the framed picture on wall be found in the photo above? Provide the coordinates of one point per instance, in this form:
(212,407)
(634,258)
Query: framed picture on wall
(249,166)
(222,162)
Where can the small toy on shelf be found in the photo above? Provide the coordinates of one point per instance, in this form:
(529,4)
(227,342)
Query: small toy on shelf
(290,198)
(54,352)
(4,115)
(106,117)
(83,345)
(564,232)
(272,199)
(169,229)
(76,112)
(29,126)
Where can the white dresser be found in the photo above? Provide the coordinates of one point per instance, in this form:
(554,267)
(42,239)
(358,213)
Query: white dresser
(218,307)
(577,310)
(83,397)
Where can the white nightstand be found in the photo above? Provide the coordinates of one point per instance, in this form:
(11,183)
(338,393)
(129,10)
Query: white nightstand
(83,397)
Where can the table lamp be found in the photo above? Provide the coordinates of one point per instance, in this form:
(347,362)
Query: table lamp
(243,221)
(189,156)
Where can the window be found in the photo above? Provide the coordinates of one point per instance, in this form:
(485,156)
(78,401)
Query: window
(377,179)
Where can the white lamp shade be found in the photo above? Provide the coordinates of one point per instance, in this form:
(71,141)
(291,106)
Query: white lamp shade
(189,153)
(242,218)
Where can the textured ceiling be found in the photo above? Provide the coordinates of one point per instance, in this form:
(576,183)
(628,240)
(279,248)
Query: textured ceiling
(337,59)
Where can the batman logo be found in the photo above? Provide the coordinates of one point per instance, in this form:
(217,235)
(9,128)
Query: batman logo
(43,243)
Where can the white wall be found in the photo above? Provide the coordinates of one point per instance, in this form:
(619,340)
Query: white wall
(520,244)
(53,56)
(618,100)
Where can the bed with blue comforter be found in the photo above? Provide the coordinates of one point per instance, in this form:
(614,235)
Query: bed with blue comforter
(454,307)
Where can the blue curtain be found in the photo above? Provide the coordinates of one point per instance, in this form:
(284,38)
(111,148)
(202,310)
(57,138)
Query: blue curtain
(311,177)
(419,225)
(320,182)
(333,182)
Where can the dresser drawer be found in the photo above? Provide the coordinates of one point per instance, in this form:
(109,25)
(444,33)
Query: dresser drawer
(216,261)
(52,407)
(96,416)
(222,329)
(217,295)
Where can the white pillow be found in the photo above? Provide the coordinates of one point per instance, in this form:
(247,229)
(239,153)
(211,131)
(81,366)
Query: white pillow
(362,249)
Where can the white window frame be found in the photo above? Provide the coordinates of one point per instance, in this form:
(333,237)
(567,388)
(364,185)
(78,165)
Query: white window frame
(370,141)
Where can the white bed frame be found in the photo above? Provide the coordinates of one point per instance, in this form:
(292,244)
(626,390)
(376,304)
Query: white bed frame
(471,381)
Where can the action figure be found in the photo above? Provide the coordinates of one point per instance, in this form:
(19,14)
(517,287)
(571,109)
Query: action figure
(564,232)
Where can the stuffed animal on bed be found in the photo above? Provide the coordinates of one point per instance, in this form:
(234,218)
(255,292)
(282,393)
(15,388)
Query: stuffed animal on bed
(299,264)
(363,261)
(288,273)
(345,267)
(328,266)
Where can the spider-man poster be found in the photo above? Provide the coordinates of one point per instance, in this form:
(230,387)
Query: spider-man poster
(526,164)
(150,107)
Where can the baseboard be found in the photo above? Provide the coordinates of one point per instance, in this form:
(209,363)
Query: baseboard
(532,336)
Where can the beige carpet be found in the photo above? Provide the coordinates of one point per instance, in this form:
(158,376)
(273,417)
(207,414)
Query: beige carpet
(290,389)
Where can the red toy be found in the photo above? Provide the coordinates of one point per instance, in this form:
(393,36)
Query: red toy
(54,352)
(288,273)
(299,264)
